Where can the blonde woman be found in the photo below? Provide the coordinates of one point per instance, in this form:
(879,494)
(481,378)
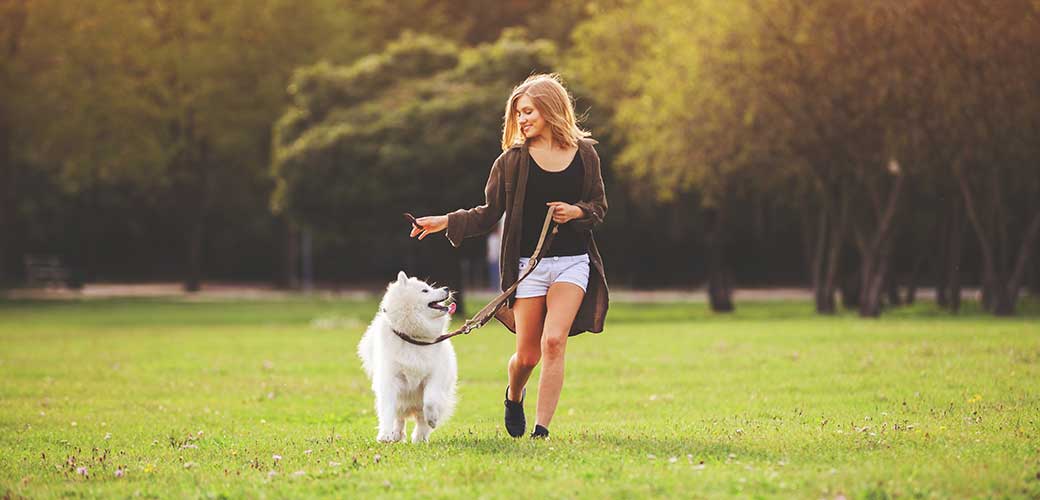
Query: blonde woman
(547,163)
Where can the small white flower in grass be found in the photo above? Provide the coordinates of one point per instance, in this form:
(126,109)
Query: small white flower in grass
(199,434)
(108,435)
(271,474)
(82,471)
(377,458)
(73,423)
(189,465)
(334,464)
(276,458)
(120,472)
(189,446)
(651,456)
(299,473)
(672,460)
(307,452)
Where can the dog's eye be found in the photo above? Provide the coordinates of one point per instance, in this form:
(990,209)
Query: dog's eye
(425,291)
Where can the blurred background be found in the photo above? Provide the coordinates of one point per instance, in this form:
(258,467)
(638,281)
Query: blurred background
(857,150)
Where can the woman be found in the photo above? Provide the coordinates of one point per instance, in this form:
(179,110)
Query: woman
(548,163)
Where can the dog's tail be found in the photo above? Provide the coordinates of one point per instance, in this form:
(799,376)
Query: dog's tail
(364,350)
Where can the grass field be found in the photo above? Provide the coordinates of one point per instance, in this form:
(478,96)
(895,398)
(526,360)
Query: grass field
(166,398)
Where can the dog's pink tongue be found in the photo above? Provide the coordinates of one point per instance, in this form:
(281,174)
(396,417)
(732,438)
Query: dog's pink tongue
(451,308)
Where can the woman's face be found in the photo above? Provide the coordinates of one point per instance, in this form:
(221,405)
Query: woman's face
(529,119)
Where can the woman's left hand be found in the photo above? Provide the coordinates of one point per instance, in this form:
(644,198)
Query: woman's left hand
(564,212)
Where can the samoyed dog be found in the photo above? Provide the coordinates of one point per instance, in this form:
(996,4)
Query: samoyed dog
(410,381)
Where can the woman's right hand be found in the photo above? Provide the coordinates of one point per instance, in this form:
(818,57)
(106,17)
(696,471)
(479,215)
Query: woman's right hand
(431,224)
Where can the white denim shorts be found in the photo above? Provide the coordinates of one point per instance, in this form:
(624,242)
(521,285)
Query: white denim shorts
(568,268)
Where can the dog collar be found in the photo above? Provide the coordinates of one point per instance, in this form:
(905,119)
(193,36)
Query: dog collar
(410,340)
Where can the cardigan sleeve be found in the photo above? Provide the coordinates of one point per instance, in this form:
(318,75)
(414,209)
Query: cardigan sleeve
(465,223)
(595,207)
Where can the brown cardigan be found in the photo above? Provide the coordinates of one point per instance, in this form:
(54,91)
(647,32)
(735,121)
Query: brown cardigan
(505,194)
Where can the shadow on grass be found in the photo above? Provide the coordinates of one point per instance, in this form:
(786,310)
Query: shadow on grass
(634,445)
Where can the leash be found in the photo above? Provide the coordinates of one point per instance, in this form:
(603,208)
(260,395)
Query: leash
(488,312)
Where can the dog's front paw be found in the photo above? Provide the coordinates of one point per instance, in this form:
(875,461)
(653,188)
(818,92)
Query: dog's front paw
(432,414)
(390,436)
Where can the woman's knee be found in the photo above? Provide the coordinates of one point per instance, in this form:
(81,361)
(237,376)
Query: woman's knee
(527,359)
(553,346)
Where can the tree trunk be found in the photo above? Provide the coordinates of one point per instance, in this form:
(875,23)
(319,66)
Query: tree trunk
(830,240)
(193,280)
(1025,251)
(892,288)
(947,226)
(816,257)
(720,279)
(850,289)
(809,252)
(875,254)
(955,242)
(999,288)
(289,277)
(915,276)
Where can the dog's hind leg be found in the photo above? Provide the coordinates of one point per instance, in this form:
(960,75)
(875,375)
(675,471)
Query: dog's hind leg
(422,431)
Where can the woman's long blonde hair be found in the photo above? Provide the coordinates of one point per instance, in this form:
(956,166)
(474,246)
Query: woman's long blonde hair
(553,103)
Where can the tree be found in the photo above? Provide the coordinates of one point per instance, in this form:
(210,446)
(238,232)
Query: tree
(411,129)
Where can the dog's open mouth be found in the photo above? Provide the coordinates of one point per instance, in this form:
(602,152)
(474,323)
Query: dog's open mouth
(447,304)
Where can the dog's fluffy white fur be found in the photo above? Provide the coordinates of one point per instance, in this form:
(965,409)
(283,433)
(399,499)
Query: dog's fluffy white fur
(410,381)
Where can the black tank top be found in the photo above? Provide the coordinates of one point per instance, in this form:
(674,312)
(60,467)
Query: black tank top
(542,187)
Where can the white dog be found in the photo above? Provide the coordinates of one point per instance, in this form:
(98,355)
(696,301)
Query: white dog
(410,380)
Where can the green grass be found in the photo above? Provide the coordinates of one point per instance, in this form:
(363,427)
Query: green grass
(194,400)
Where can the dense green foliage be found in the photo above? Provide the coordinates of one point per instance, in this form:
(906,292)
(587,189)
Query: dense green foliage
(195,399)
(833,142)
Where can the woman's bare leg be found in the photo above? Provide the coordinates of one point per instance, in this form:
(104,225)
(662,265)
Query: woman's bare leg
(530,317)
(562,305)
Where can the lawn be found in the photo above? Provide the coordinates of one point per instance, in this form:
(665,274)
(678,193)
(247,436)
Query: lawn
(172,398)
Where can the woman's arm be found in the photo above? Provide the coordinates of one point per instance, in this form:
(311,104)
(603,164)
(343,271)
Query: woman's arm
(595,207)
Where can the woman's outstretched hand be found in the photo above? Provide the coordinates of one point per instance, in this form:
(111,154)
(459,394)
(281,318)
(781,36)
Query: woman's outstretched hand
(427,225)
(564,212)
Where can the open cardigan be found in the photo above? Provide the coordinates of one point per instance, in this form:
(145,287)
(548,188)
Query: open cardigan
(504,193)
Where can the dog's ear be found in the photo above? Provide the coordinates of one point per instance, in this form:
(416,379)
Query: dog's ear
(402,277)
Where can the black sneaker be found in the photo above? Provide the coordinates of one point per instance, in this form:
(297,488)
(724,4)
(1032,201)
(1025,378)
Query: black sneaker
(516,424)
(540,432)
